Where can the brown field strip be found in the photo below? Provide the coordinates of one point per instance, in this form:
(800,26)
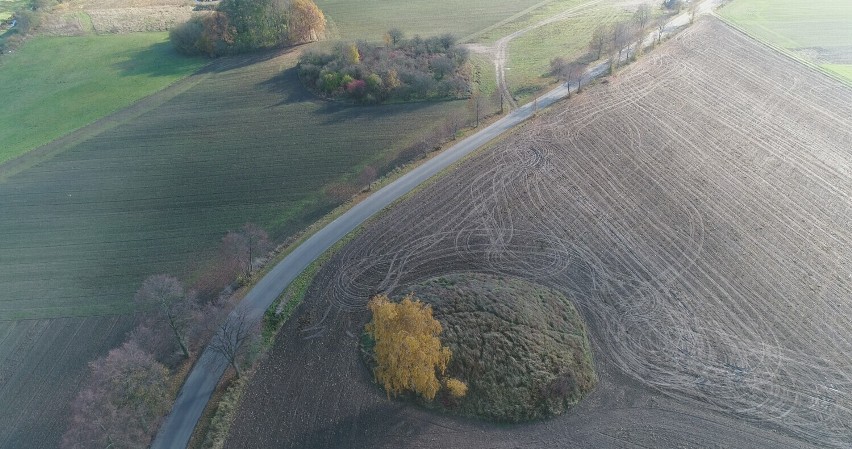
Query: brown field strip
(697,210)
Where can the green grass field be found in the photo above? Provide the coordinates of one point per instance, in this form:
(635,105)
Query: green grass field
(53,85)
(530,54)
(819,31)
(370,19)
(7,7)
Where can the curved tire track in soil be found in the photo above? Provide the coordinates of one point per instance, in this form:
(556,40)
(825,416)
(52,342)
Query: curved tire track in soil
(705,242)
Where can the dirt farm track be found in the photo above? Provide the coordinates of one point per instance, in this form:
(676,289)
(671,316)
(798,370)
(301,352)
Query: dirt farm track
(696,209)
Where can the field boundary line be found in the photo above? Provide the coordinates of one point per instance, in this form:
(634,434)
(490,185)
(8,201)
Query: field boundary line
(782,51)
(139,107)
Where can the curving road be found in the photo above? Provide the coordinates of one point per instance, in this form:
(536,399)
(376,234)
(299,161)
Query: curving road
(199,386)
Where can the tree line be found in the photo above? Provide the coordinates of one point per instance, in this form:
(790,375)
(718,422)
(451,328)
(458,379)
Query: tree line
(400,70)
(617,40)
(238,26)
(128,392)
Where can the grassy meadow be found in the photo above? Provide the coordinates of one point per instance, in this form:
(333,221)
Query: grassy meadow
(7,7)
(530,54)
(818,30)
(370,19)
(54,85)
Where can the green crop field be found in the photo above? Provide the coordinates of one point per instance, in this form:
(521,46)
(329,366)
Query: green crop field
(53,85)
(818,31)
(81,230)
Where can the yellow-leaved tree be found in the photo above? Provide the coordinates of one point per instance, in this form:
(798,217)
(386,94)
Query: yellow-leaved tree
(409,354)
(307,22)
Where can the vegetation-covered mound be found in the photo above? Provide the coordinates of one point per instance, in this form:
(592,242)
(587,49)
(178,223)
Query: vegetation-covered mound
(521,348)
(402,70)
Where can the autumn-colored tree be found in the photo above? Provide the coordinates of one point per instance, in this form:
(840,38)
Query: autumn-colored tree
(121,402)
(598,43)
(409,354)
(392,80)
(351,54)
(307,22)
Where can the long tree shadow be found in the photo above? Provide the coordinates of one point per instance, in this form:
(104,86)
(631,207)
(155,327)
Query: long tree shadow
(160,59)
(289,88)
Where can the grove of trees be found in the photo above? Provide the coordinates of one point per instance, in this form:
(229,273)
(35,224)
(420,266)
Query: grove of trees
(127,392)
(408,351)
(237,26)
(401,70)
(121,403)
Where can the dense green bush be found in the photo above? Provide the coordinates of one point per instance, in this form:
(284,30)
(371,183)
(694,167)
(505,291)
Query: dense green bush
(402,70)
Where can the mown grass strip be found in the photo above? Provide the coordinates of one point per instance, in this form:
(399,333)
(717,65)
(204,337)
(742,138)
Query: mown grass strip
(53,85)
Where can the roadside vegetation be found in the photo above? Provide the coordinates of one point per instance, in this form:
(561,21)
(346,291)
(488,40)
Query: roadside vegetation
(129,391)
(401,70)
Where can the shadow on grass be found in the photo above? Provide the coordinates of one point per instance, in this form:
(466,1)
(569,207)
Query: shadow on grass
(159,59)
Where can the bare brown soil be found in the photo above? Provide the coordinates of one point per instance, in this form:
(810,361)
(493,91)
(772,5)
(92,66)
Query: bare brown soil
(696,209)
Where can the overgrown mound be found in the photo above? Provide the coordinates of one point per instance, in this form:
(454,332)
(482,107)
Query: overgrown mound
(402,70)
(521,348)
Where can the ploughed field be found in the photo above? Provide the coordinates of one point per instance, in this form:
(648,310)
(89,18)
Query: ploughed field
(696,209)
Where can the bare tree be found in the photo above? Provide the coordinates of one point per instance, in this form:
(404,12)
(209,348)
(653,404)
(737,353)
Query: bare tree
(234,338)
(453,124)
(660,23)
(641,18)
(166,296)
(619,39)
(569,72)
(598,43)
(121,402)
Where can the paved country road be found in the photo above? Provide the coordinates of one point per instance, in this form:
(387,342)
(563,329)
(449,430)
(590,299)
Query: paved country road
(201,382)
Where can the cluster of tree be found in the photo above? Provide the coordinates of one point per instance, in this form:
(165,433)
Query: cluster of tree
(237,26)
(127,392)
(408,353)
(402,70)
